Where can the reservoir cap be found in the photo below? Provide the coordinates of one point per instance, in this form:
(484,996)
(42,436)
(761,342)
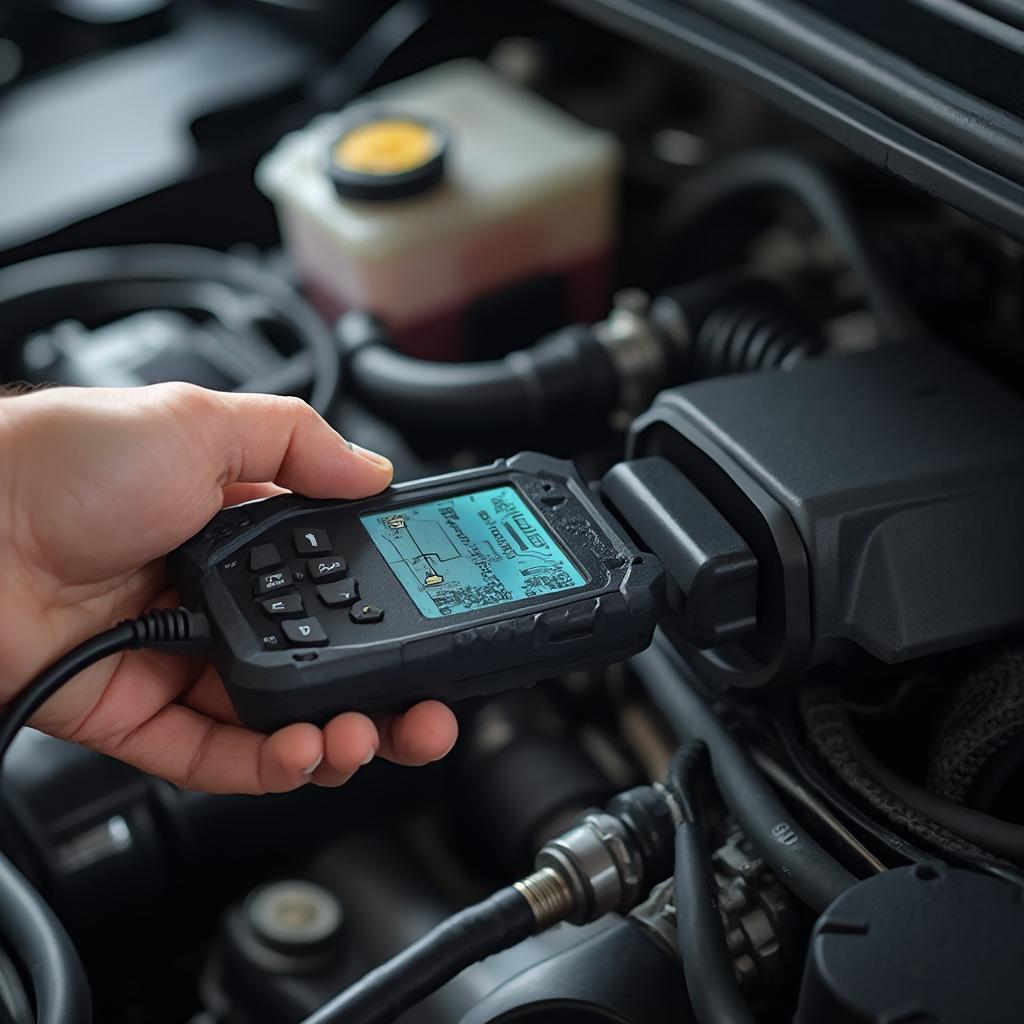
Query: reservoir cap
(385,154)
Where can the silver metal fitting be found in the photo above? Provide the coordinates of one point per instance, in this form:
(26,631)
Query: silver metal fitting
(600,865)
(638,353)
(549,895)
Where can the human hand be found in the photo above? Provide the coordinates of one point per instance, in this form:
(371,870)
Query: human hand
(96,486)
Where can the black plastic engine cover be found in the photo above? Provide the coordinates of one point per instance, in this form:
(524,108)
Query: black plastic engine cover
(882,494)
(923,943)
(619,975)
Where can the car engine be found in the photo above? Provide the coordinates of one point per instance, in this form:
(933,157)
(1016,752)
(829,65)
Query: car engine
(756,268)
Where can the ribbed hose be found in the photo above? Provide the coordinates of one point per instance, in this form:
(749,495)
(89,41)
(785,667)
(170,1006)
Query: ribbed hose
(733,323)
(742,339)
(728,181)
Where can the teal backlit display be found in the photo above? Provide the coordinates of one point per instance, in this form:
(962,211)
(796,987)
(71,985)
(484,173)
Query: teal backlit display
(471,551)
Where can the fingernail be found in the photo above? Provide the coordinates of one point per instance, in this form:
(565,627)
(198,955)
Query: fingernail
(378,460)
(313,767)
(448,751)
(369,757)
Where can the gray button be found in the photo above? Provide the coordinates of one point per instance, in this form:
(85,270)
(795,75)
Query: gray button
(326,568)
(311,542)
(339,594)
(304,632)
(270,582)
(264,557)
(285,606)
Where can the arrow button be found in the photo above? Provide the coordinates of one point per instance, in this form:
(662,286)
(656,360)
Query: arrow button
(339,594)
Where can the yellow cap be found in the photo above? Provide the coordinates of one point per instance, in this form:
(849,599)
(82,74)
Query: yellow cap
(387,146)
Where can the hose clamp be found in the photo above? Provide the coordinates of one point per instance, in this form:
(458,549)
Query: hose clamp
(600,864)
(637,351)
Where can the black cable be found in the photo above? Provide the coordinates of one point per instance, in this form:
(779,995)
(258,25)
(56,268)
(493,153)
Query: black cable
(1010,11)
(981,23)
(997,774)
(177,630)
(368,54)
(710,978)
(15,1001)
(770,170)
(32,929)
(568,373)
(96,283)
(833,737)
(801,763)
(327,87)
(47,683)
(800,863)
(814,805)
(990,834)
(488,927)
(1003,838)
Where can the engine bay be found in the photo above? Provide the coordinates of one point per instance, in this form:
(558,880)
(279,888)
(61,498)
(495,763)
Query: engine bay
(777,385)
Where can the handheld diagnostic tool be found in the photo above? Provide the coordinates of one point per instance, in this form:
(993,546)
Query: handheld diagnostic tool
(444,588)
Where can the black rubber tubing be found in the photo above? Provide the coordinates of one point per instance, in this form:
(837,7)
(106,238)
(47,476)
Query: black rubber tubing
(978,22)
(566,373)
(800,863)
(33,931)
(488,927)
(885,80)
(710,978)
(773,170)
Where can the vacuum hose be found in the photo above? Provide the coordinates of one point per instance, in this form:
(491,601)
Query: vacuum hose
(800,863)
(568,372)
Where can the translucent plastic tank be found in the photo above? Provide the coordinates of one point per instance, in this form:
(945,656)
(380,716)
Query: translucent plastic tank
(440,192)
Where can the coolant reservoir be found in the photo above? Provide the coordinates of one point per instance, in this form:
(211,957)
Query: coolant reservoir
(437,199)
